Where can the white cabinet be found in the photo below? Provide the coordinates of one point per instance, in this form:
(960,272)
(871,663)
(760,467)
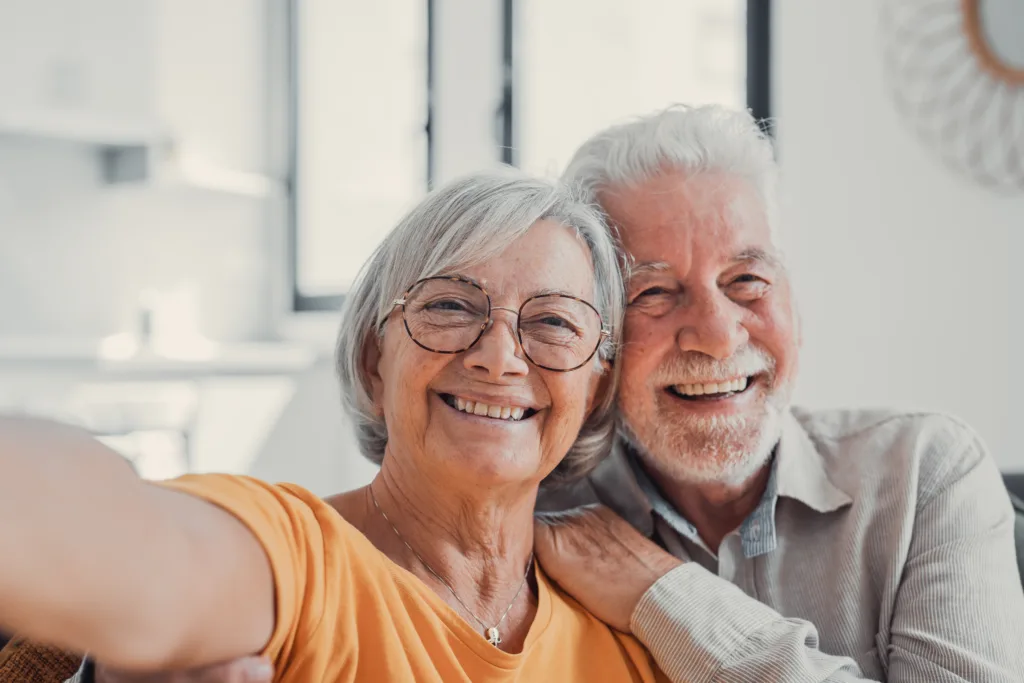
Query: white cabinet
(166,91)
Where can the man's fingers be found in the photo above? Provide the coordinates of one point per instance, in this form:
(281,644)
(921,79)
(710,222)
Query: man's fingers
(563,537)
(543,539)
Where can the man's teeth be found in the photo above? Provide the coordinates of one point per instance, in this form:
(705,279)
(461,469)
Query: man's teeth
(705,389)
(482,409)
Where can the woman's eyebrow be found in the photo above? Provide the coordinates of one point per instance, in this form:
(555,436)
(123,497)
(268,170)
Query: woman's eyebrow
(553,292)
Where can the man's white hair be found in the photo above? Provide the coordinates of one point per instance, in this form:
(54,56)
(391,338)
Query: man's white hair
(684,138)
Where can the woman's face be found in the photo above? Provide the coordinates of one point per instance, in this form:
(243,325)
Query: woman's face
(420,392)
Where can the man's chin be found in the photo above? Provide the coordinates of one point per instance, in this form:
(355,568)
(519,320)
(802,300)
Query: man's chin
(702,471)
(724,452)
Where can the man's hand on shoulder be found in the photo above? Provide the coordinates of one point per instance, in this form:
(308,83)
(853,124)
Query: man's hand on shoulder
(600,560)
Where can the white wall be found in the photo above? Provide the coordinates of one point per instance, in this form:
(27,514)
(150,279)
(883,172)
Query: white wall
(312,443)
(906,271)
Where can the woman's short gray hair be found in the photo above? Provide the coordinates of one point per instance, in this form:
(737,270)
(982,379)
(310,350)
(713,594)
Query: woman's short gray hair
(462,224)
(690,139)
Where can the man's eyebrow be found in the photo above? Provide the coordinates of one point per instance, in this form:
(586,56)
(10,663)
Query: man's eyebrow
(648,267)
(758,255)
(748,255)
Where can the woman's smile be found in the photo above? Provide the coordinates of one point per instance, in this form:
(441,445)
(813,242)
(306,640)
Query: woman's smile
(490,411)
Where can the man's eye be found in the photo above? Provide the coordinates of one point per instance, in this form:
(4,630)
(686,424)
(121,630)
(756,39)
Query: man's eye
(654,301)
(748,287)
(652,291)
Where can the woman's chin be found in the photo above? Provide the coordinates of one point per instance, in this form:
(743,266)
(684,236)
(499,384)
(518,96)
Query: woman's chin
(488,466)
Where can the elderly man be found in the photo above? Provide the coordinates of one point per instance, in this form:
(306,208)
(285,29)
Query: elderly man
(811,546)
(819,546)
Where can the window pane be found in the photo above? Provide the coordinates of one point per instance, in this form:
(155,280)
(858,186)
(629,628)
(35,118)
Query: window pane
(362,141)
(584,64)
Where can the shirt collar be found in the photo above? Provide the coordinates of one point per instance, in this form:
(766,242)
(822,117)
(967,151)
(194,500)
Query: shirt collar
(757,533)
(803,473)
(798,472)
(616,486)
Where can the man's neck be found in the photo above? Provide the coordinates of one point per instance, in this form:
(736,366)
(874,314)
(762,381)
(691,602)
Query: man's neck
(715,509)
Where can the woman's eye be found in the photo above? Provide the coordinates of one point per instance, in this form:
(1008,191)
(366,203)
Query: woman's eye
(556,321)
(446,305)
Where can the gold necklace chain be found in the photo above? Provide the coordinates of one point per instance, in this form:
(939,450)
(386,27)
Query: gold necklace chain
(492,634)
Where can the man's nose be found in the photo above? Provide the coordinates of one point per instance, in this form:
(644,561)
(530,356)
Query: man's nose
(712,325)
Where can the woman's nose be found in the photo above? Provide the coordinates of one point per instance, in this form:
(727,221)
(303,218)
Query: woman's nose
(498,351)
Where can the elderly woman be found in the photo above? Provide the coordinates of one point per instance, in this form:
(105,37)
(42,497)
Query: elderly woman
(474,360)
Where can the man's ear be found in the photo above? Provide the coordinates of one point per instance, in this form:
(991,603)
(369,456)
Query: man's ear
(600,385)
(370,362)
(798,322)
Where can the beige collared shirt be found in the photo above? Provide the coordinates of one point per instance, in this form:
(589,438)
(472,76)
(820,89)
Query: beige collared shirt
(882,550)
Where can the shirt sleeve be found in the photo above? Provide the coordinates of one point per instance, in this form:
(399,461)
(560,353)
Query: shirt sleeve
(699,627)
(285,524)
(959,613)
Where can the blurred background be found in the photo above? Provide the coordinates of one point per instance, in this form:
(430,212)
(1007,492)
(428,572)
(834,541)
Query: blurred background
(187,189)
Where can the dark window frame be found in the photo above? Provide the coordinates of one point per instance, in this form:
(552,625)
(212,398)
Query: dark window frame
(759,59)
(758,85)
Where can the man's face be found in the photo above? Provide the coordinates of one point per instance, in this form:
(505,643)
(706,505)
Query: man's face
(711,340)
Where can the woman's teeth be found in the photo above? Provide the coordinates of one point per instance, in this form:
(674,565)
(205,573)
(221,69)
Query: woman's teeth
(731,386)
(485,410)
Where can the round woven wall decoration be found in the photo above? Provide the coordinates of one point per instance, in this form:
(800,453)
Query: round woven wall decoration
(956,73)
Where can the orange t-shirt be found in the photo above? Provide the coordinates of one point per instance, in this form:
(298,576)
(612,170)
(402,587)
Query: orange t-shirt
(345,612)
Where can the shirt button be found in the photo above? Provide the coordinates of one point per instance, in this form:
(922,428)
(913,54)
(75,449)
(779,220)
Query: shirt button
(755,531)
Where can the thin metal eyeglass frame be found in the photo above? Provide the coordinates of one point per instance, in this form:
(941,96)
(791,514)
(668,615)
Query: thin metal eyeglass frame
(605,332)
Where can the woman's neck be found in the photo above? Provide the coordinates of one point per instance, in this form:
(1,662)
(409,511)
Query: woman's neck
(485,534)
(479,542)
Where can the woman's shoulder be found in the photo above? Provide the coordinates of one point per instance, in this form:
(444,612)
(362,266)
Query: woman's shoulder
(229,490)
(276,513)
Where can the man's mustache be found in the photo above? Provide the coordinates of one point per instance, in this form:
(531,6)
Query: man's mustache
(692,367)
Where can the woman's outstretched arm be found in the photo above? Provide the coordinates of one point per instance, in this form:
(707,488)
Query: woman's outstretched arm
(96,560)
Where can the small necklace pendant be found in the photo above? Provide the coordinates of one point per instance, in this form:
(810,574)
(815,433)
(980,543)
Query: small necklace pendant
(493,637)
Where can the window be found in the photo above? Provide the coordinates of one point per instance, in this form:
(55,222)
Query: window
(360,134)
(381,108)
(585,64)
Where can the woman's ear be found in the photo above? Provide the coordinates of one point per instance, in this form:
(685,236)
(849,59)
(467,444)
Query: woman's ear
(601,382)
(370,361)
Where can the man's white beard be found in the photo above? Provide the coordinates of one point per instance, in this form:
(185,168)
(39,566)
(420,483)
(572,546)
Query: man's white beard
(713,449)
(722,449)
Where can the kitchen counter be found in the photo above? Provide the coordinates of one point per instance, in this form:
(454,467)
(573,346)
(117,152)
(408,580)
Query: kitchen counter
(115,357)
(224,400)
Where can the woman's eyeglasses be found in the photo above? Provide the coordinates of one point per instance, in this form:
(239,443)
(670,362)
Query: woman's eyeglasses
(449,314)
